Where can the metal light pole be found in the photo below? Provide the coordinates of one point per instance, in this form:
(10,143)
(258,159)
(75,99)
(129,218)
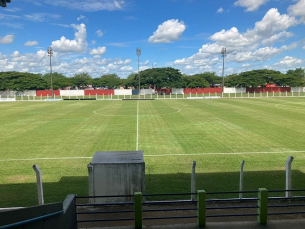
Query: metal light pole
(223,53)
(139,73)
(50,53)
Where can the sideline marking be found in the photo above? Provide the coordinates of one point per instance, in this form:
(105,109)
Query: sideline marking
(207,154)
(47,158)
(137,144)
(164,155)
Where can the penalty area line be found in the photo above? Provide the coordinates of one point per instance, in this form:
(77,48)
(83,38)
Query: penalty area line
(208,154)
(49,158)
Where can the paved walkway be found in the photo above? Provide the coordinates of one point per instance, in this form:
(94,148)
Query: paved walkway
(276,224)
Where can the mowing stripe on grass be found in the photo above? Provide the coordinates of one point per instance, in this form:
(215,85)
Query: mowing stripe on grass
(163,155)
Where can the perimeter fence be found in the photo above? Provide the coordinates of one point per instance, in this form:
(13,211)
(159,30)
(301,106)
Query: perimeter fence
(154,96)
(144,210)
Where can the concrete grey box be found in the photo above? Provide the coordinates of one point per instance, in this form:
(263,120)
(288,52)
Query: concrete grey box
(116,173)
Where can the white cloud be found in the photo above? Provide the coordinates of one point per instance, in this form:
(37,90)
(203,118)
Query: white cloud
(168,31)
(274,22)
(8,39)
(126,69)
(146,62)
(297,10)
(288,62)
(15,54)
(81,17)
(220,10)
(277,37)
(121,62)
(78,45)
(41,17)
(98,51)
(93,42)
(254,45)
(99,33)
(31,43)
(250,5)
(89,6)
(118,4)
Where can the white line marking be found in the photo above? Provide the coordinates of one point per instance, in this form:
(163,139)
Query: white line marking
(47,158)
(207,154)
(137,144)
(163,155)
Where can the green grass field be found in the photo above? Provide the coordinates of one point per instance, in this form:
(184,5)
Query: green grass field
(61,137)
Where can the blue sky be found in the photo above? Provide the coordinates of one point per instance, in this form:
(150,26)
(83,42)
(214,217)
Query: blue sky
(101,36)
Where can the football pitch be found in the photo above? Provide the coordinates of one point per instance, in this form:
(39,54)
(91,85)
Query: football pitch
(62,137)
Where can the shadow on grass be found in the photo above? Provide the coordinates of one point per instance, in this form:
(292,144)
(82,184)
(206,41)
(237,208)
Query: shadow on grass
(25,194)
(222,182)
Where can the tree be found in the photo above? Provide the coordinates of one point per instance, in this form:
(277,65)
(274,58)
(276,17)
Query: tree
(195,81)
(21,81)
(59,80)
(81,80)
(298,72)
(160,78)
(110,81)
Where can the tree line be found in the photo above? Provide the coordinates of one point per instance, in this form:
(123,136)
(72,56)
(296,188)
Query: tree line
(151,78)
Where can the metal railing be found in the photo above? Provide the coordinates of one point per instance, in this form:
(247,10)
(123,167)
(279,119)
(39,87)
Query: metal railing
(200,209)
(21,223)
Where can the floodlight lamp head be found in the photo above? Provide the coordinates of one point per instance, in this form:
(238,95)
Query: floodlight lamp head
(138,51)
(50,51)
(223,51)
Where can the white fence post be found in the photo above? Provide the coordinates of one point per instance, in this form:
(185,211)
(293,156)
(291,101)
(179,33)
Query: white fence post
(39,184)
(288,175)
(241,177)
(193,182)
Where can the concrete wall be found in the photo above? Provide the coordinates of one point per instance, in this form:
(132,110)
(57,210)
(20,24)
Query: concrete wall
(147,91)
(298,89)
(116,179)
(72,92)
(64,220)
(122,92)
(234,90)
(179,91)
(17,93)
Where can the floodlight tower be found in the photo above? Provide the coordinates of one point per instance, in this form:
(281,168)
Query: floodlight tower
(223,53)
(50,53)
(139,73)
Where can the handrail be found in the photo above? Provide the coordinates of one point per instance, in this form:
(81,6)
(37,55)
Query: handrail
(30,220)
